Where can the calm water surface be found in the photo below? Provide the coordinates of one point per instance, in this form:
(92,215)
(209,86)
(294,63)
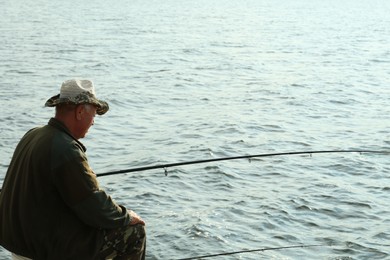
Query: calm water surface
(190,80)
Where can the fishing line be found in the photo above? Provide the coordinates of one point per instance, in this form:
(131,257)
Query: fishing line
(250,251)
(165,166)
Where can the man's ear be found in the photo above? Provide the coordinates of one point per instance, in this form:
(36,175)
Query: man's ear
(79,111)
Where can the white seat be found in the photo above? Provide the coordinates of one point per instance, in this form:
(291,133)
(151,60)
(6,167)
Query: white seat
(19,257)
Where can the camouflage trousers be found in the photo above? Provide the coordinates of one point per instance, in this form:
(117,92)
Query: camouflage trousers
(128,242)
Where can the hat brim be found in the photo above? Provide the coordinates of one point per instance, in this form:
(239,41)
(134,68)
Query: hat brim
(102,106)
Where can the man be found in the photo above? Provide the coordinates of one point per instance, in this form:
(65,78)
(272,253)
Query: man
(51,206)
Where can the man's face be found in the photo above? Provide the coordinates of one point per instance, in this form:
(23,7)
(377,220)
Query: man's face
(86,116)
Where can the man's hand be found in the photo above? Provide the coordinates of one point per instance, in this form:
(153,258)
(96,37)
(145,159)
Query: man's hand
(135,219)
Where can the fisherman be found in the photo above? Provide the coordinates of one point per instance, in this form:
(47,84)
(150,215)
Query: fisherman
(51,205)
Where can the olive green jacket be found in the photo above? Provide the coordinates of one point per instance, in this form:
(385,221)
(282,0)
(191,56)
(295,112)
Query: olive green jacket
(51,206)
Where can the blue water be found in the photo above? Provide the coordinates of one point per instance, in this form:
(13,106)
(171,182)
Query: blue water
(190,80)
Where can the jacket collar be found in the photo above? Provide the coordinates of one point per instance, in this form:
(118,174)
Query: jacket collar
(60,126)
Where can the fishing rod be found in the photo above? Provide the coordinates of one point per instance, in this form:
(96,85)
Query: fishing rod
(250,251)
(165,166)
(168,165)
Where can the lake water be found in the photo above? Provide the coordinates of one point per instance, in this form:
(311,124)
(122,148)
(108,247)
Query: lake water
(189,80)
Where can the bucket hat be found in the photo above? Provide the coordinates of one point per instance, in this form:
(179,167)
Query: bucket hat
(77,91)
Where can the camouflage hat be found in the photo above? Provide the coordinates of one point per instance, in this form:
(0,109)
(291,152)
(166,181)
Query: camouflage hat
(78,92)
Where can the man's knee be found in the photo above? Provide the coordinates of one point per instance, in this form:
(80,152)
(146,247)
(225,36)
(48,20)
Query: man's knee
(127,241)
(135,237)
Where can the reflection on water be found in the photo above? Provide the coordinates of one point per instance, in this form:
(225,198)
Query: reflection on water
(198,80)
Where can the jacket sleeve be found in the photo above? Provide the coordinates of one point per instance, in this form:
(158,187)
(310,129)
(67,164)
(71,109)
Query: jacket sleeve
(100,211)
(78,187)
